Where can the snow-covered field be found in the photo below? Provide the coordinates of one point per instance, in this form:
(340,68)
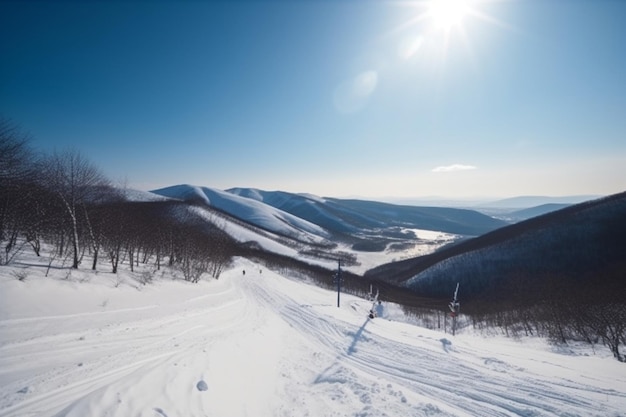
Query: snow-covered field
(261,344)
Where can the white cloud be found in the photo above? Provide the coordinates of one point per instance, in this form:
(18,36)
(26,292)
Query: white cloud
(453,167)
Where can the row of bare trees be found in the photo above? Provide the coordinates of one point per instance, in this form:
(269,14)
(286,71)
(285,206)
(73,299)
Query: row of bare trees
(63,200)
(590,310)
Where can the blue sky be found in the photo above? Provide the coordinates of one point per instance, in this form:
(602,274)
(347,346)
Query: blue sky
(336,98)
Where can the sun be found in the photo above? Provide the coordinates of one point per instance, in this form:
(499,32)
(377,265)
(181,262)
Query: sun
(446,14)
(432,28)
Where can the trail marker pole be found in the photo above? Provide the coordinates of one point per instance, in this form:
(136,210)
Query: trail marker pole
(455,308)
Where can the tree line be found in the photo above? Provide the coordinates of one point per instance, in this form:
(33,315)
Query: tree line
(590,310)
(61,199)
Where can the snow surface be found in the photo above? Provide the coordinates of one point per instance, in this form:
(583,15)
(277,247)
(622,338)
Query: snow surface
(433,235)
(261,344)
(240,233)
(253,211)
(131,194)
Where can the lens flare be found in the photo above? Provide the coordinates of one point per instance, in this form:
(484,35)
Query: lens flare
(353,95)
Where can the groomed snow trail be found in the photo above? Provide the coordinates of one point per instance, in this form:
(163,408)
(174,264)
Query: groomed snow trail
(380,368)
(262,345)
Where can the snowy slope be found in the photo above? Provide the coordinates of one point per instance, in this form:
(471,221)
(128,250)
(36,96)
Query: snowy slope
(138,195)
(306,206)
(240,233)
(249,210)
(260,344)
(361,216)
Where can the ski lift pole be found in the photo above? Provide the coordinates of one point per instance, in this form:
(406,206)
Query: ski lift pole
(374,302)
(338,278)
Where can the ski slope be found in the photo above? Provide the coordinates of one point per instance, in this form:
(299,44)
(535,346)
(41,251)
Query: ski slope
(261,344)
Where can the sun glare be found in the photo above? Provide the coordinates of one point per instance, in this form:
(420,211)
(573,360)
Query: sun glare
(446,14)
(433,26)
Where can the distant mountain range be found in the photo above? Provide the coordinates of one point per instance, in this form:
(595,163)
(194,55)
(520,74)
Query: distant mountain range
(480,204)
(563,240)
(529,213)
(355,221)
(523,202)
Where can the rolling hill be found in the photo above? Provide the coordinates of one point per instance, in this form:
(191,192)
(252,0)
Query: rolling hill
(357,216)
(282,212)
(570,247)
(523,202)
(531,212)
(251,211)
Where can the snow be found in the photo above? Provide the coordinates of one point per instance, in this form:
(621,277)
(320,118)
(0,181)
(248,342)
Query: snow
(433,235)
(138,195)
(253,211)
(262,344)
(266,240)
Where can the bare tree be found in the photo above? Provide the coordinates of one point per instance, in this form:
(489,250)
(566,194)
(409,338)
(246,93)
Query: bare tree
(16,162)
(75,182)
(16,157)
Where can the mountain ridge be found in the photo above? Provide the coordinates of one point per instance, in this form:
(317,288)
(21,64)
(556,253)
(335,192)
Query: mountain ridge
(571,243)
(529,201)
(352,215)
(250,210)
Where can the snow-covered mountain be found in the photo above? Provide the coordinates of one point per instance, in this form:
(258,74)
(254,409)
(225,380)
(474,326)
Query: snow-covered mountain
(306,206)
(378,232)
(360,216)
(282,212)
(252,211)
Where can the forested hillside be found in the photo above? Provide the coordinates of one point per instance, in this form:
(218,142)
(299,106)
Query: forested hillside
(578,244)
(574,241)
(562,274)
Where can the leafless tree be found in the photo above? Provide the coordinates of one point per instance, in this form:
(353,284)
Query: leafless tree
(16,157)
(75,182)
(16,162)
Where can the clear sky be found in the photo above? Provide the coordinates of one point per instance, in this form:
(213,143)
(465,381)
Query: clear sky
(331,97)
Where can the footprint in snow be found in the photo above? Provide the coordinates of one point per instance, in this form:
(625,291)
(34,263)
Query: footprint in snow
(160,411)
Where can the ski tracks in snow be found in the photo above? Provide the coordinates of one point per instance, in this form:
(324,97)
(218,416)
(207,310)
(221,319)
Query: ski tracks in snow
(366,364)
(263,345)
(109,363)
